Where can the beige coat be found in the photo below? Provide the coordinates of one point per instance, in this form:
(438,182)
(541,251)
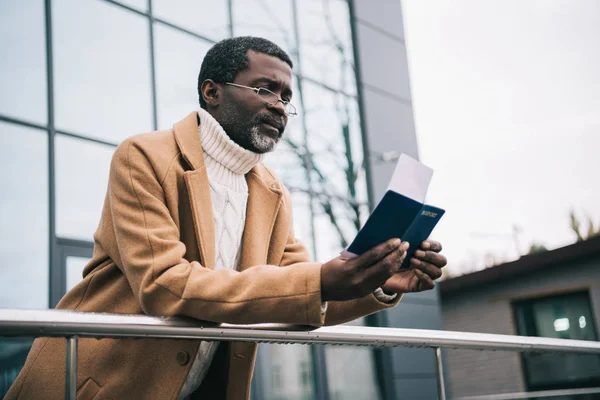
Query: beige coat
(154,254)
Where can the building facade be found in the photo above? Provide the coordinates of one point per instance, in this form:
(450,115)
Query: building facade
(79,76)
(551,294)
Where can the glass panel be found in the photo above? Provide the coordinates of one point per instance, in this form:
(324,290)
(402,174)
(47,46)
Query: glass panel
(302,218)
(209,18)
(338,176)
(562,317)
(270,19)
(286,372)
(141,5)
(102,70)
(335,141)
(24,216)
(178,60)
(289,157)
(13,352)
(351,372)
(326,50)
(81,179)
(74,270)
(23,71)
(23,235)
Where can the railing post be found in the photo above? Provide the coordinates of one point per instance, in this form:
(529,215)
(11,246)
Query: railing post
(440,374)
(71,369)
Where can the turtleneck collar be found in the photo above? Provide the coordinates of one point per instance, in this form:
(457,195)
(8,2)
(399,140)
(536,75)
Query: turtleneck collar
(218,146)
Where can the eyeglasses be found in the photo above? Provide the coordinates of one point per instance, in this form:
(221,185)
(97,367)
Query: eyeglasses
(270,98)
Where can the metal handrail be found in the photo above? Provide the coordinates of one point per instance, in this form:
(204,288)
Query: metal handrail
(74,324)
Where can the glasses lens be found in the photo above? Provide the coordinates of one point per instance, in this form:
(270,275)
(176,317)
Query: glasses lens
(268,96)
(290,109)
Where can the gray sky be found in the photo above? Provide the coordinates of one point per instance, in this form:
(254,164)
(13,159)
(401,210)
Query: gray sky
(506,98)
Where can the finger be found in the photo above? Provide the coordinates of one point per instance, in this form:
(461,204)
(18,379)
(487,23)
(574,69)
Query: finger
(377,253)
(425,281)
(433,271)
(431,245)
(384,269)
(439,260)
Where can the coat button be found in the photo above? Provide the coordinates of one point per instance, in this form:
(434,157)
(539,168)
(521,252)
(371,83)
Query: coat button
(183,358)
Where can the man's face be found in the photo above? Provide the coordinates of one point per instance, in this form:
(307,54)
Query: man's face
(248,120)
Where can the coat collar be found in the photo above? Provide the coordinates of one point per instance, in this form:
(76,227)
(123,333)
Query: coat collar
(264,200)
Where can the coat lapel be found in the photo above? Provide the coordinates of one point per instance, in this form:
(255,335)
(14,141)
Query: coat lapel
(264,201)
(196,181)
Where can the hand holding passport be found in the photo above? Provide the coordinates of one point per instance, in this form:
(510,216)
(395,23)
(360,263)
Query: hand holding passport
(377,258)
(401,213)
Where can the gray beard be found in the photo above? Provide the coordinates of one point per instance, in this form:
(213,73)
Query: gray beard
(260,142)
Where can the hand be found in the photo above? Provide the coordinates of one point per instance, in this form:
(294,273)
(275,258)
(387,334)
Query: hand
(346,279)
(425,267)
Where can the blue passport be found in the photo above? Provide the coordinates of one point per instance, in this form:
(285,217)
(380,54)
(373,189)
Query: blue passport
(399,214)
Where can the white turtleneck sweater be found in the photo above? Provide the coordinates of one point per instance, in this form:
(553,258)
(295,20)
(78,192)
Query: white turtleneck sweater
(226,165)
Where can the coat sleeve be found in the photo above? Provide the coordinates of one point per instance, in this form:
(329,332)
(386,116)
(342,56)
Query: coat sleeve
(151,255)
(337,312)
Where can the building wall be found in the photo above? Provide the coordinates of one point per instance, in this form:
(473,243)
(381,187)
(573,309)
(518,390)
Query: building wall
(388,116)
(130,66)
(488,309)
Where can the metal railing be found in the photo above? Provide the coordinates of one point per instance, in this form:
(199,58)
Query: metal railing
(73,324)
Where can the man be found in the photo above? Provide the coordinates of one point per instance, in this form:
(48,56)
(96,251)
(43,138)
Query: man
(195,225)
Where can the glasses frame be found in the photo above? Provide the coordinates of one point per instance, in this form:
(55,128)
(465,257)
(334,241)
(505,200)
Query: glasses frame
(290,109)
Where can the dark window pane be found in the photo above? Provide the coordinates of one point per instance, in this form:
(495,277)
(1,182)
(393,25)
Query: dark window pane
(81,181)
(270,19)
(24,216)
(178,60)
(101,69)
(13,352)
(22,70)
(209,18)
(326,50)
(563,317)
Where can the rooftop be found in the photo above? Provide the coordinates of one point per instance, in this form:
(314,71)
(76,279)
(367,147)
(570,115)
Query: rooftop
(524,265)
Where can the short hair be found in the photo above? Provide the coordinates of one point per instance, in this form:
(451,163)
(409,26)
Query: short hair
(229,57)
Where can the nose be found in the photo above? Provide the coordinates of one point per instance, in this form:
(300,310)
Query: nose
(278,107)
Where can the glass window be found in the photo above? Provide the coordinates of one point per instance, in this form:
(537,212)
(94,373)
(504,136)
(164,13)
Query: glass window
(24,216)
(288,374)
(81,179)
(334,139)
(141,5)
(23,67)
(351,372)
(101,70)
(270,19)
(13,353)
(338,176)
(326,50)
(74,270)
(209,18)
(290,156)
(562,317)
(178,60)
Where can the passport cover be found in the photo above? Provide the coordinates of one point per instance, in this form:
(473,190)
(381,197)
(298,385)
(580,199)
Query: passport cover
(396,216)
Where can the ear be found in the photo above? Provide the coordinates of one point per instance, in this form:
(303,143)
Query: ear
(211,92)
